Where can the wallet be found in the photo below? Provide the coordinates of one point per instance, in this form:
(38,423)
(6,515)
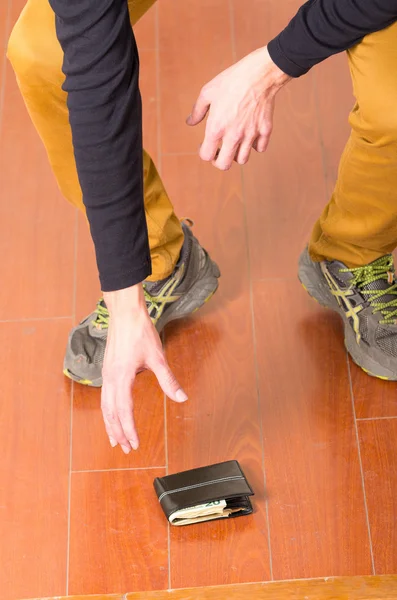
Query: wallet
(205,494)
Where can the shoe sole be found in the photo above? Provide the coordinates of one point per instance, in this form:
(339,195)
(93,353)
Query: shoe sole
(198,295)
(313,282)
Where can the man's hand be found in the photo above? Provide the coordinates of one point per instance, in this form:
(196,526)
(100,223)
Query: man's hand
(240,102)
(133,344)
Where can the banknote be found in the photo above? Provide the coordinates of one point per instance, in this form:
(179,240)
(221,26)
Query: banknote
(202,512)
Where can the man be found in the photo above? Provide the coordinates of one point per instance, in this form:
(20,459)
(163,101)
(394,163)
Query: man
(347,266)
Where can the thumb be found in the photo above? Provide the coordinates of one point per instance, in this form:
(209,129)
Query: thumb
(199,111)
(168,381)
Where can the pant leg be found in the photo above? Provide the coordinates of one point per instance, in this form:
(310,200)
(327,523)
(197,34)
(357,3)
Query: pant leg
(359,224)
(36,57)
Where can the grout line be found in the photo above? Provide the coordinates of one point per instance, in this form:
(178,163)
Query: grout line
(253,328)
(160,168)
(76,243)
(74,294)
(4,61)
(361,466)
(158,87)
(69,489)
(35,319)
(166,472)
(116,469)
(327,193)
(376,418)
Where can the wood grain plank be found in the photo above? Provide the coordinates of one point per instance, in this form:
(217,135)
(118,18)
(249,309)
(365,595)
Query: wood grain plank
(16,9)
(145,31)
(212,355)
(91,448)
(4,14)
(316,503)
(378,451)
(195,45)
(34,462)
(118,537)
(332,588)
(37,241)
(335,101)
(256,22)
(372,397)
(341,588)
(284,188)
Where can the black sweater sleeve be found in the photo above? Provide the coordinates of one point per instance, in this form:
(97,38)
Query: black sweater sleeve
(101,68)
(325,27)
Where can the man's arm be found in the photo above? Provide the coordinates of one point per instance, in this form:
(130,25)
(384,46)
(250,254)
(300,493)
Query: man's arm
(240,101)
(101,69)
(322,28)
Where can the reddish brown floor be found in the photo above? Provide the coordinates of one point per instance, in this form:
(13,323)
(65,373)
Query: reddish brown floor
(265,367)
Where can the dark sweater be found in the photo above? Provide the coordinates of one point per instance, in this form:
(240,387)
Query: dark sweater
(101,69)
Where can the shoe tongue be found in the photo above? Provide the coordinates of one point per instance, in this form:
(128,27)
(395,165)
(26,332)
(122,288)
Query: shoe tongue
(154,287)
(344,276)
(96,327)
(380,284)
(340,272)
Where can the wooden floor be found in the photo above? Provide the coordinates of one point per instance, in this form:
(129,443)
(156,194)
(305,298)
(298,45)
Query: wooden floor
(372,587)
(264,366)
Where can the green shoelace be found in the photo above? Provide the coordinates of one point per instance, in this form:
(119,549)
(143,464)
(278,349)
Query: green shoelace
(102,314)
(383,268)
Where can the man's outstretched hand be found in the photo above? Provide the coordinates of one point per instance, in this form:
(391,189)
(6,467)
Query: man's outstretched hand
(133,344)
(240,103)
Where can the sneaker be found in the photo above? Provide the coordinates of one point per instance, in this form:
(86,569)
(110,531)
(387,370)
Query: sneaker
(366,299)
(193,282)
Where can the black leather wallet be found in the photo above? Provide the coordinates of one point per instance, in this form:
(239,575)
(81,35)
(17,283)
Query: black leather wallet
(216,492)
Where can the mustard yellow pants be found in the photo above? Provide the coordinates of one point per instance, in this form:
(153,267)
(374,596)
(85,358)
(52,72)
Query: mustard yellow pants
(36,57)
(358,225)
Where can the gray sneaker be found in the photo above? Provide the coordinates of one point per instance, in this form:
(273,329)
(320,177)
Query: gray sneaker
(193,282)
(366,299)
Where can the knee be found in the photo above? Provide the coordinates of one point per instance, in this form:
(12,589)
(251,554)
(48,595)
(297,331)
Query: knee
(29,57)
(19,52)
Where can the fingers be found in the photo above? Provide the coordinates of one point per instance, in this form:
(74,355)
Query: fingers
(210,146)
(230,150)
(200,109)
(109,431)
(117,414)
(124,405)
(261,143)
(224,159)
(244,151)
(167,380)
